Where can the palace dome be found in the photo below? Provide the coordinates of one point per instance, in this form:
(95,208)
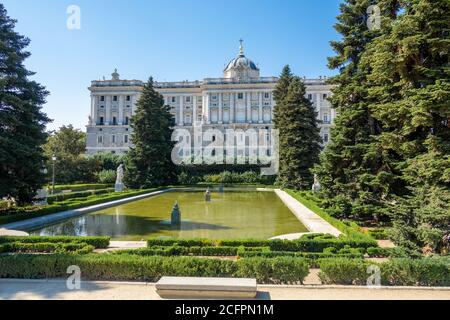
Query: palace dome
(241,67)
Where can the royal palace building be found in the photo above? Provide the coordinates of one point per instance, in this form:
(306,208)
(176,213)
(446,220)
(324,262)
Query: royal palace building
(242,99)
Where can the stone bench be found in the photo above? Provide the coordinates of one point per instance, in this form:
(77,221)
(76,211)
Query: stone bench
(206,288)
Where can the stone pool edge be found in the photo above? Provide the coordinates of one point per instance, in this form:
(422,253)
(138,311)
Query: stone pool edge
(37,222)
(312,221)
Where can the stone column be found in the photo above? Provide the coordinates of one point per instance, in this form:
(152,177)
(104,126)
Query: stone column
(232,106)
(260,107)
(194,110)
(107,109)
(181,120)
(94,109)
(220,108)
(208,110)
(249,107)
(121,107)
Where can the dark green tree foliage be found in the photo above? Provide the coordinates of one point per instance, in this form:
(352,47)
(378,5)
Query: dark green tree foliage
(279,94)
(299,138)
(148,163)
(69,145)
(22,124)
(354,176)
(410,88)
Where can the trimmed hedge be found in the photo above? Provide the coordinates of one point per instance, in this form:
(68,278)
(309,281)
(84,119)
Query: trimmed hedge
(280,270)
(95,241)
(78,194)
(396,272)
(306,245)
(79,187)
(23,213)
(181,251)
(46,247)
(134,267)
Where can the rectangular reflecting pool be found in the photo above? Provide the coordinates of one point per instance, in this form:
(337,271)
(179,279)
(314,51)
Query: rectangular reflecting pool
(231,214)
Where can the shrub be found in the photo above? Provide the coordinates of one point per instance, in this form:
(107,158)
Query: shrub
(79,187)
(344,271)
(277,270)
(416,272)
(151,268)
(180,242)
(22,213)
(378,233)
(397,272)
(78,194)
(106,176)
(46,247)
(97,242)
(305,245)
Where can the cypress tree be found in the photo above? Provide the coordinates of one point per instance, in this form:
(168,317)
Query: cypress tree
(279,94)
(352,172)
(410,91)
(22,123)
(148,163)
(299,138)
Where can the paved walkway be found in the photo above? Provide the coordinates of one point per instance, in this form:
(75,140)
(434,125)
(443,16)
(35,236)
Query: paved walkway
(310,220)
(102,290)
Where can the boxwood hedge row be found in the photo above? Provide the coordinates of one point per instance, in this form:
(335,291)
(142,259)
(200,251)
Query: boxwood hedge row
(151,268)
(302,244)
(395,272)
(95,241)
(46,247)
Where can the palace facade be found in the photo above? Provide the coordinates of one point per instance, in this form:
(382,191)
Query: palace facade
(242,99)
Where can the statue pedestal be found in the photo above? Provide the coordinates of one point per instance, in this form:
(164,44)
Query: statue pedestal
(119,187)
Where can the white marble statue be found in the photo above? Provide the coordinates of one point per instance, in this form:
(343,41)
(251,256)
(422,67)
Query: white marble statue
(316,184)
(119,179)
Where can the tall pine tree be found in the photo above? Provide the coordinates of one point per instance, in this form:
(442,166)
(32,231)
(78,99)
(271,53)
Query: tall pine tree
(280,93)
(22,123)
(352,172)
(148,163)
(299,138)
(410,93)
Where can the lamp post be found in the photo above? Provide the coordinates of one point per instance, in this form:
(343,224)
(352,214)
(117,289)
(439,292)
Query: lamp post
(53,174)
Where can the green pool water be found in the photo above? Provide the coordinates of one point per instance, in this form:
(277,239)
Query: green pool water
(259,215)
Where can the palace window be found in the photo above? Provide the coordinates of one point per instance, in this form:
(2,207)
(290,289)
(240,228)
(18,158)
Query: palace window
(100,139)
(114,122)
(325,118)
(266,95)
(125,138)
(325,137)
(127,120)
(101,121)
(188,99)
(102,98)
(174,99)
(114,98)
(309,96)
(324,96)
(128,98)
(240,96)
(113,138)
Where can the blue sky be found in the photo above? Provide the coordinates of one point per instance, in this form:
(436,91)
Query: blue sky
(171,40)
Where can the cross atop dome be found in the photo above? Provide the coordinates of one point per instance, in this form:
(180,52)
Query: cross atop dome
(241,47)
